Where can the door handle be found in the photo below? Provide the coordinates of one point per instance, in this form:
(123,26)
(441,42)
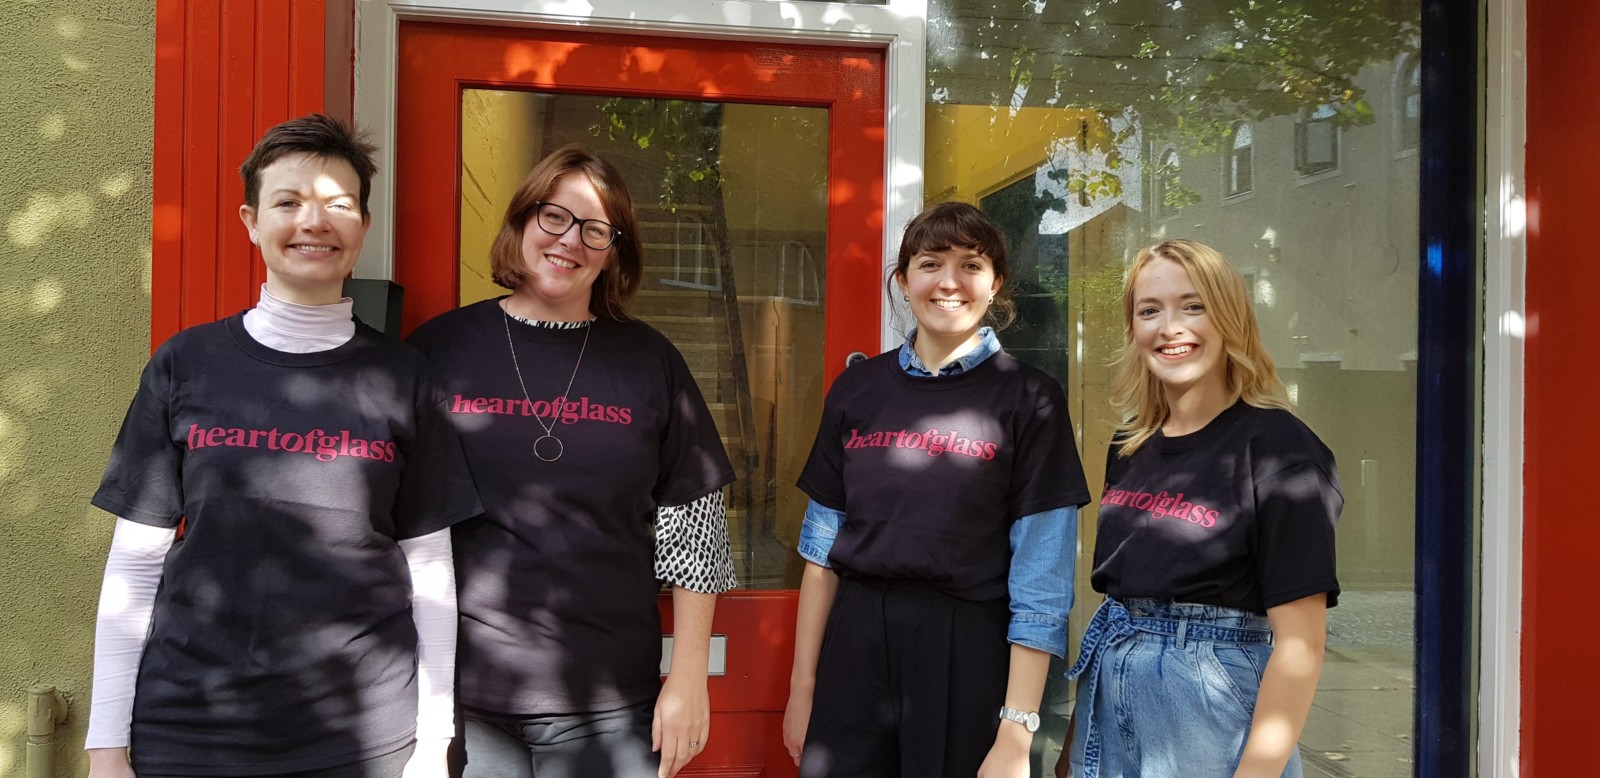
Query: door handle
(855,358)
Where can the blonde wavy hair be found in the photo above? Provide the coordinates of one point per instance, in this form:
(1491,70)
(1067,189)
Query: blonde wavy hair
(1136,394)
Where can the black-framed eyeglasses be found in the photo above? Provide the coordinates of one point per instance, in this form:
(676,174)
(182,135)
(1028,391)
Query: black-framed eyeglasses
(556,220)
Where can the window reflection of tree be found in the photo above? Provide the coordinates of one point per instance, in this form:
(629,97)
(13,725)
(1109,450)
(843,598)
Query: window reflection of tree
(1189,70)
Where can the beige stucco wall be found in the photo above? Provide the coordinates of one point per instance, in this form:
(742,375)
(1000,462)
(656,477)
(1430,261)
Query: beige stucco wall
(75,162)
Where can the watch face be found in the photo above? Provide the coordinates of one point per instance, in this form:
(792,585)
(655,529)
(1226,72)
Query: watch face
(1032,722)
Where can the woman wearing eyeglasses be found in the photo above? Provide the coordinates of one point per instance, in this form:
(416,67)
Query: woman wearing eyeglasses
(601,475)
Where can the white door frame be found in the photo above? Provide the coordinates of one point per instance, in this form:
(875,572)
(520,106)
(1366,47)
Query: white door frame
(1505,270)
(898,28)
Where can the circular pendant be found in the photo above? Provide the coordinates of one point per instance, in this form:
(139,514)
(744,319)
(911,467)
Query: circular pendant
(541,449)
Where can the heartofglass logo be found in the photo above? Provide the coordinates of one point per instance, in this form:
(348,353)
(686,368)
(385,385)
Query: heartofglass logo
(557,409)
(326,446)
(1162,505)
(932,441)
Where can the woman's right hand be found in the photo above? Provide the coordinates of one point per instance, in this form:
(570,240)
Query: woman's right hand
(818,586)
(109,763)
(796,717)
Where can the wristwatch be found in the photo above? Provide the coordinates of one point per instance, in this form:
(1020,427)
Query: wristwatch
(1029,720)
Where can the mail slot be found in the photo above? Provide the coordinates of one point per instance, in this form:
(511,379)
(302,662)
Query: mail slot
(716,661)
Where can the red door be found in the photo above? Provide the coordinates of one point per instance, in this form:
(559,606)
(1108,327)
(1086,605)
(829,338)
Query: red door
(765,303)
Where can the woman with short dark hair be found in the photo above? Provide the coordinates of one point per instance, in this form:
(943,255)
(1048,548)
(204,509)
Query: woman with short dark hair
(279,598)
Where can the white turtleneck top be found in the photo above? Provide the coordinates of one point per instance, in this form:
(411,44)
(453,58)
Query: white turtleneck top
(300,329)
(133,569)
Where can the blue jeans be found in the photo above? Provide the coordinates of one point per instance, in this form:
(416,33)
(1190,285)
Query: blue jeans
(1168,689)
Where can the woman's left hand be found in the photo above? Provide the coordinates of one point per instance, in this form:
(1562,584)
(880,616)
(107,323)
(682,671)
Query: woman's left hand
(1008,758)
(682,723)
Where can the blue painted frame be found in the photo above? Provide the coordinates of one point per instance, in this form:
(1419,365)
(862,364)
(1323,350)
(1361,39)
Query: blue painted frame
(1449,329)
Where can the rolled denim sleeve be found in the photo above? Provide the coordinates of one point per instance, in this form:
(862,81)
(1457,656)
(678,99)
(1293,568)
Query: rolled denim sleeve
(818,531)
(1044,550)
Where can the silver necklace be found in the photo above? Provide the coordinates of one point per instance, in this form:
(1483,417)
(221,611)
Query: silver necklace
(539,446)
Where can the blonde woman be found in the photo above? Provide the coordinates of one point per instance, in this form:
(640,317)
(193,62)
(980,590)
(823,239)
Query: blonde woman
(1215,548)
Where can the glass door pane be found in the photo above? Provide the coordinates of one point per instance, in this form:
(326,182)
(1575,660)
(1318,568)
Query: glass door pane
(732,208)
(1284,135)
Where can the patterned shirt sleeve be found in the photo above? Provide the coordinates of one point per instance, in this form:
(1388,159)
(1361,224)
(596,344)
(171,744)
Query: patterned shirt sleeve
(692,545)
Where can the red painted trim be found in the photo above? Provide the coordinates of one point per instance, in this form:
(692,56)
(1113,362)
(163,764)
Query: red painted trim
(1561,526)
(200,113)
(236,127)
(438,60)
(224,73)
(166,218)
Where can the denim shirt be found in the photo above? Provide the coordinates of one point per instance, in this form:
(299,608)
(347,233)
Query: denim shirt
(1044,546)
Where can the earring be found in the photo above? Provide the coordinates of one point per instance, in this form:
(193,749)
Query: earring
(906,297)
(991,299)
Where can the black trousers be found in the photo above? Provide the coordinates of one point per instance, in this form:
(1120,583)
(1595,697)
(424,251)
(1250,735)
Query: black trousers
(389,765)
(909,683)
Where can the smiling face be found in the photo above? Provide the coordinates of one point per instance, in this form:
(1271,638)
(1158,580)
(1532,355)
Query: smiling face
(309,226)
(949,291)
(560,269)
(1174,333)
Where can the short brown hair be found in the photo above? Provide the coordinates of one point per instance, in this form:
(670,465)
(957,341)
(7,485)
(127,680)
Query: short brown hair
(948,225)
(316,134)
(620,279)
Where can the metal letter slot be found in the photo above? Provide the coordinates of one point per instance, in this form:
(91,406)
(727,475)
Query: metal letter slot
(716,660)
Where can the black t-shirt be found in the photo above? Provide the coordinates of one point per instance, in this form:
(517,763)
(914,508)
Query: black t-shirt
(931,472)
(1238,514)
(282,638)
(557,580)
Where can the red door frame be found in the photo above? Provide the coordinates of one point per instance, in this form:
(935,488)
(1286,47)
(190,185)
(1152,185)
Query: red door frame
(437,61)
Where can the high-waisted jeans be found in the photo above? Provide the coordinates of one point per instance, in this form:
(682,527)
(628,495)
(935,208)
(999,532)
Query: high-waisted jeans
(1168,689)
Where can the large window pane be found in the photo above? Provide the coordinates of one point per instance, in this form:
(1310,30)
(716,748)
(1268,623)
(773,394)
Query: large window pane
(1089,129)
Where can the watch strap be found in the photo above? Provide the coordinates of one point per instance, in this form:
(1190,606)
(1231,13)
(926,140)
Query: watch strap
(1028,719)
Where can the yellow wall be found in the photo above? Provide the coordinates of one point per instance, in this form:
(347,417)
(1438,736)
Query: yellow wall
(976,149)
(75,160)
(499,145)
